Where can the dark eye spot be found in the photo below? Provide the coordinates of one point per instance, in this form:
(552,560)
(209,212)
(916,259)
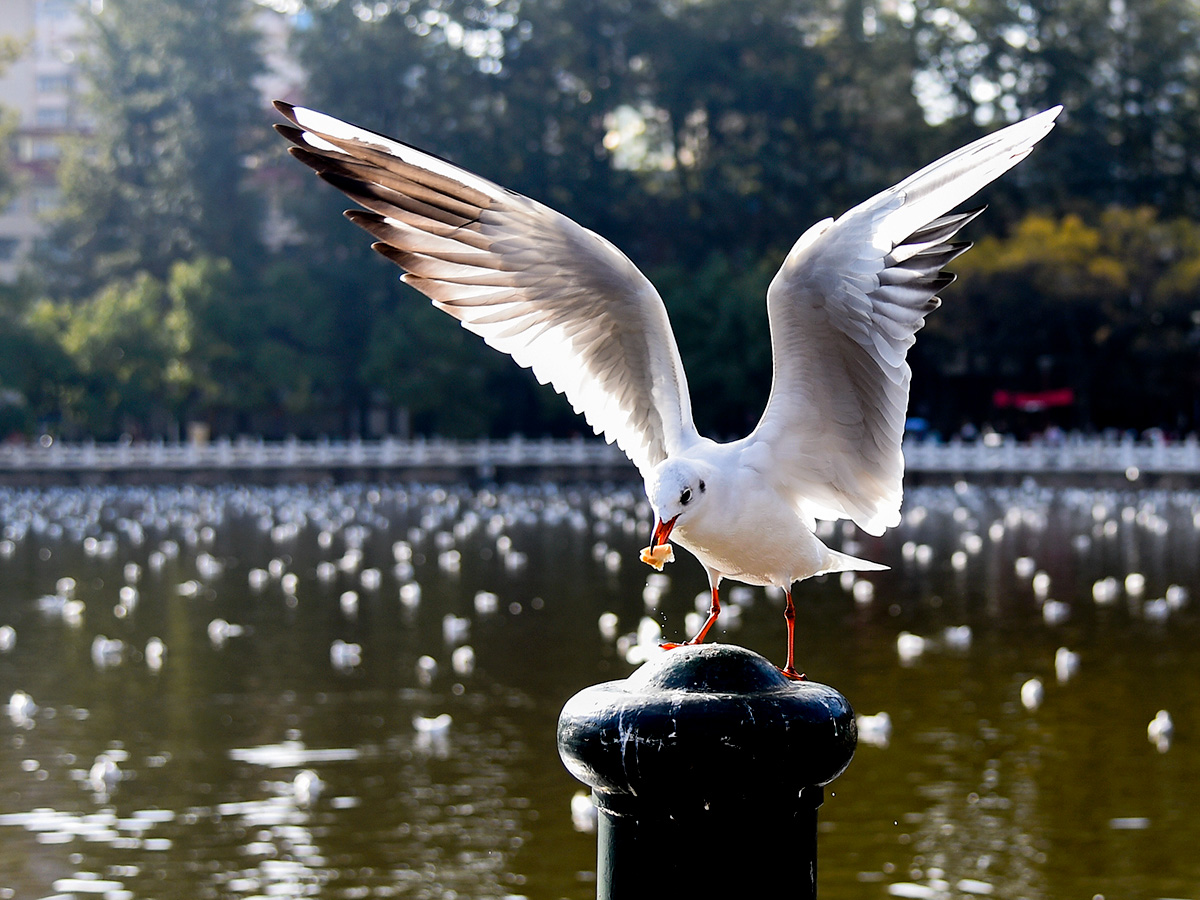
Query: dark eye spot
(686,497)
(702,485)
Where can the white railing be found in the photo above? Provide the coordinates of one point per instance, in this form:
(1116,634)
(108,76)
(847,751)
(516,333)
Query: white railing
(264,455)
(1076,455)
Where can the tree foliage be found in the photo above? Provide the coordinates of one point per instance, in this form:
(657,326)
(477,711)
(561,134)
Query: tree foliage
(690,134)
(254,355)
(177,118)
(9,50)
(1107,308)
(127,345)
(700,137)
(1126,73)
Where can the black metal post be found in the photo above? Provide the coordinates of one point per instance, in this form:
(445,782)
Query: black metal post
(707,766)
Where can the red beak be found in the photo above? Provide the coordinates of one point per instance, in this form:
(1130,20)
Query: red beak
(662,531)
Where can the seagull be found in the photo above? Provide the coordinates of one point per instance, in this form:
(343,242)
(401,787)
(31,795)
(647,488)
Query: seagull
(561,300)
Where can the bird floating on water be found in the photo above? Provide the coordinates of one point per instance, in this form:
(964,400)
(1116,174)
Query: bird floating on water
(844,309)
(1161,730)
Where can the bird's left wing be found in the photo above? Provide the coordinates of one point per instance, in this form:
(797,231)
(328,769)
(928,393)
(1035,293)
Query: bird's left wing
(556,297)
(844,309)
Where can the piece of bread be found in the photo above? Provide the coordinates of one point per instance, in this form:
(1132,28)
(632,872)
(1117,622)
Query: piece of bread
(658,556)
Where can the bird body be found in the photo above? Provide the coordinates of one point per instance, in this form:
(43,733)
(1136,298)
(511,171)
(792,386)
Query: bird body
(756,537)
(844,309)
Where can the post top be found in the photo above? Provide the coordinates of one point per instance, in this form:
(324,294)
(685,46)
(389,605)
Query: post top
(708,669)
(706,722)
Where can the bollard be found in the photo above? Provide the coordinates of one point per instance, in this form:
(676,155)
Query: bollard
(707,766)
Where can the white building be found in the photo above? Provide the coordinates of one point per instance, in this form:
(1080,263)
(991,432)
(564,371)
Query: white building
(40,88)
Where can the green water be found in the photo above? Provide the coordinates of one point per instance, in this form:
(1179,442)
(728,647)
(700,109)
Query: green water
(974,794)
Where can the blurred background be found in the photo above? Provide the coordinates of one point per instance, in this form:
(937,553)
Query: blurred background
(165,265)
(349,688)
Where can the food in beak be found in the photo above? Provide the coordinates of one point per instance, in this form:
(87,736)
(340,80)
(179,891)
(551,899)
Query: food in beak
(659,553)
(658,556)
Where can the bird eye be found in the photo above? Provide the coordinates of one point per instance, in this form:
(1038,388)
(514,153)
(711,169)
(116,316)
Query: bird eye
(686,497)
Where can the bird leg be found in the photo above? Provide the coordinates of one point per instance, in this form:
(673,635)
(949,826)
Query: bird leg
(789,616)
(713,612)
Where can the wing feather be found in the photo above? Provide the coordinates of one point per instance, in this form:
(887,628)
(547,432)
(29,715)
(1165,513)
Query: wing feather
(558,298)
(845,308)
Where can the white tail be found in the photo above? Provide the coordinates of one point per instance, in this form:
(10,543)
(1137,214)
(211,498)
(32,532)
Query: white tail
(844,562)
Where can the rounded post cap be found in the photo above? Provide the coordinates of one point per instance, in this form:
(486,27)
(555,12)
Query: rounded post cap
(705,723)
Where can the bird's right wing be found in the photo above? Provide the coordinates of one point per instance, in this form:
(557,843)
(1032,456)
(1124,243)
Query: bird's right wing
(556,297)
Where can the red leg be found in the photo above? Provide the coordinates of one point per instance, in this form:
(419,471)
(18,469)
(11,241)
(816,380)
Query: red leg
(789,616)
(713,612)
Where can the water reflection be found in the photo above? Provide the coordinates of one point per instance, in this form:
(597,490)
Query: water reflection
(351,691)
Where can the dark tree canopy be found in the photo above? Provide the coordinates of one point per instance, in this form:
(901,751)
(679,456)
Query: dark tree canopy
(701,137)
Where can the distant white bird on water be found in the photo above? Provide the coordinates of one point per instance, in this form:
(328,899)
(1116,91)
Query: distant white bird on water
(104,776)
(875,730)
(307,787)
(21,709)
(1161,730)
(1033,692)
(564,302)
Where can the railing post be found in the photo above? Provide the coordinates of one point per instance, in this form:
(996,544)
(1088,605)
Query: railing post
(707,766)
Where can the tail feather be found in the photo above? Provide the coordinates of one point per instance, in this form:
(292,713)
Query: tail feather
(837,561)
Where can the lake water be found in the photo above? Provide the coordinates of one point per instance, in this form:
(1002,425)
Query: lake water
(254,691)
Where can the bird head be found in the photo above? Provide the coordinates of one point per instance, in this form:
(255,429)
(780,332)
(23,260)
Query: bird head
(676,489)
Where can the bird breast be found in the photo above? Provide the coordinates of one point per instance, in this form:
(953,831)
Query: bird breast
(756,537)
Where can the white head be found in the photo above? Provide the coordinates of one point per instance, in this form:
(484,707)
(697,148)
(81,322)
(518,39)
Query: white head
(677,488)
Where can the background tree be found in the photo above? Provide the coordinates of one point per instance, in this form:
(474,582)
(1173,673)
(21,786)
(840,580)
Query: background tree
(1107,308)
(701,138)
(1124,71)
(682,132)
(126,344)
(719,316)
(35,371)
(262,355)
(176,118)
(9,51)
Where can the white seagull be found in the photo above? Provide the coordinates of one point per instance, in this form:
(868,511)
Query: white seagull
(844,308)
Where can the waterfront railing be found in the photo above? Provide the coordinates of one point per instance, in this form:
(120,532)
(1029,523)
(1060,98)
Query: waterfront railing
(1130,458)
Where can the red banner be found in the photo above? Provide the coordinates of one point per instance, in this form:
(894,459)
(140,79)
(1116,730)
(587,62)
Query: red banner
(1035,401)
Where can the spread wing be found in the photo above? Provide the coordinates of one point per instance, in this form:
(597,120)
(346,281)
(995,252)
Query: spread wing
(844,309)
(556,297)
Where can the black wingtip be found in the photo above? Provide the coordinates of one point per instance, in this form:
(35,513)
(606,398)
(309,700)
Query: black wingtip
(305,155)
(291,132)
(957,249)
(287,110)
(942,281)
(312,160)
(390,253)
(355,187)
